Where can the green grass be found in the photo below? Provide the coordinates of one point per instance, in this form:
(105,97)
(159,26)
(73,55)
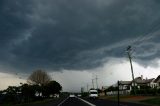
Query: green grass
(24,104)
(116,97)
(153,101)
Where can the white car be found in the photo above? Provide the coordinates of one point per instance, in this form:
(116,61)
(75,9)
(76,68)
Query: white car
(79,95)
(71,95)
(93,93)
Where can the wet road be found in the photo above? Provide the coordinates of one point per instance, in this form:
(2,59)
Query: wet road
(101,102)
(97,102)
(75,101)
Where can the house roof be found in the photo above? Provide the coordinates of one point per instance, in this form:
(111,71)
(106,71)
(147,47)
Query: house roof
(125,82)
(157,79)
(105,87)
(144,81)
(138,80)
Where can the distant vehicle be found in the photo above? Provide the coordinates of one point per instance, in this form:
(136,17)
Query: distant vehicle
(93,93)
(71,95)
(79,95)
(56,96)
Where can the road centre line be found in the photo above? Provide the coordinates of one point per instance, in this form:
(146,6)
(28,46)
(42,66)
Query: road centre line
(63,101)
(86,101)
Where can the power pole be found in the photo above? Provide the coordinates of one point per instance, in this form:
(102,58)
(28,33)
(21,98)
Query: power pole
(93,83)
(82,89)
(87,87)
(129,49)
(97,81)
(118,92)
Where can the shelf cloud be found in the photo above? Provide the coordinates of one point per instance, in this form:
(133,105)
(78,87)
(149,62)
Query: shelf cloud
(76,34)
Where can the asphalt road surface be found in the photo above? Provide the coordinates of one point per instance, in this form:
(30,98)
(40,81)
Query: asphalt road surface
(75,101)
(97,102)
(101,102)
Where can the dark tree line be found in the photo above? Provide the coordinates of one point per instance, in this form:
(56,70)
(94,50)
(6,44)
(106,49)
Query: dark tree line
(40,87)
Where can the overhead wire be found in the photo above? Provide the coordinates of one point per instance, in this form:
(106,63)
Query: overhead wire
(145,35)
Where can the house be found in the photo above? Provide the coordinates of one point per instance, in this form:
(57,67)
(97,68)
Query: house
(157,81)
(140,82)
(125,87)
(103,90)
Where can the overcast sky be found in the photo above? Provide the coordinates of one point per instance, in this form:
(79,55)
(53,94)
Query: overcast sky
(75,40)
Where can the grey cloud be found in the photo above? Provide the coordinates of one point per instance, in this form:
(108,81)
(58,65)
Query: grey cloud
(69,34)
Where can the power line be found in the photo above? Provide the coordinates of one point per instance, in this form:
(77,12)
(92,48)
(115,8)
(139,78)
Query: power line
(147,35)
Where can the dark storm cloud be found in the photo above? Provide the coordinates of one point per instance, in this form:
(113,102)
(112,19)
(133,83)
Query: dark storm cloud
(75,34)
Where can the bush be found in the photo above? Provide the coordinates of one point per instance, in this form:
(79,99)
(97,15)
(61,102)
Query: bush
(158,91)
(145,91)
(84,94)
(145,87)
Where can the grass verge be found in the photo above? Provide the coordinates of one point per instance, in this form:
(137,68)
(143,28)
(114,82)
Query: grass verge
(26,104)
(153,101)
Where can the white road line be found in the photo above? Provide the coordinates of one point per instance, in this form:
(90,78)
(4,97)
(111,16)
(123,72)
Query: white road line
(86,102)
(63,101)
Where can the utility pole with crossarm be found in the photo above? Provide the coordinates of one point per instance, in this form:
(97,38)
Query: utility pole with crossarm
(129,49)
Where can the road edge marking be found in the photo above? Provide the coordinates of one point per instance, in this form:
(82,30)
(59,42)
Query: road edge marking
(63,101)
(86,102)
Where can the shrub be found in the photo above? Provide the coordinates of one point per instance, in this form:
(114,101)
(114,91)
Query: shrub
(84,94)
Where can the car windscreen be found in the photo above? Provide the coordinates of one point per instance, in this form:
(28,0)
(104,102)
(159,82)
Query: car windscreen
(93,92)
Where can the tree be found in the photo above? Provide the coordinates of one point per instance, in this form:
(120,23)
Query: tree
(28,92)
(39,77)
(52,88)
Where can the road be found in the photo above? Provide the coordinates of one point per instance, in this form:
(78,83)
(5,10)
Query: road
(97,102)
(101,102)
(75,101)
